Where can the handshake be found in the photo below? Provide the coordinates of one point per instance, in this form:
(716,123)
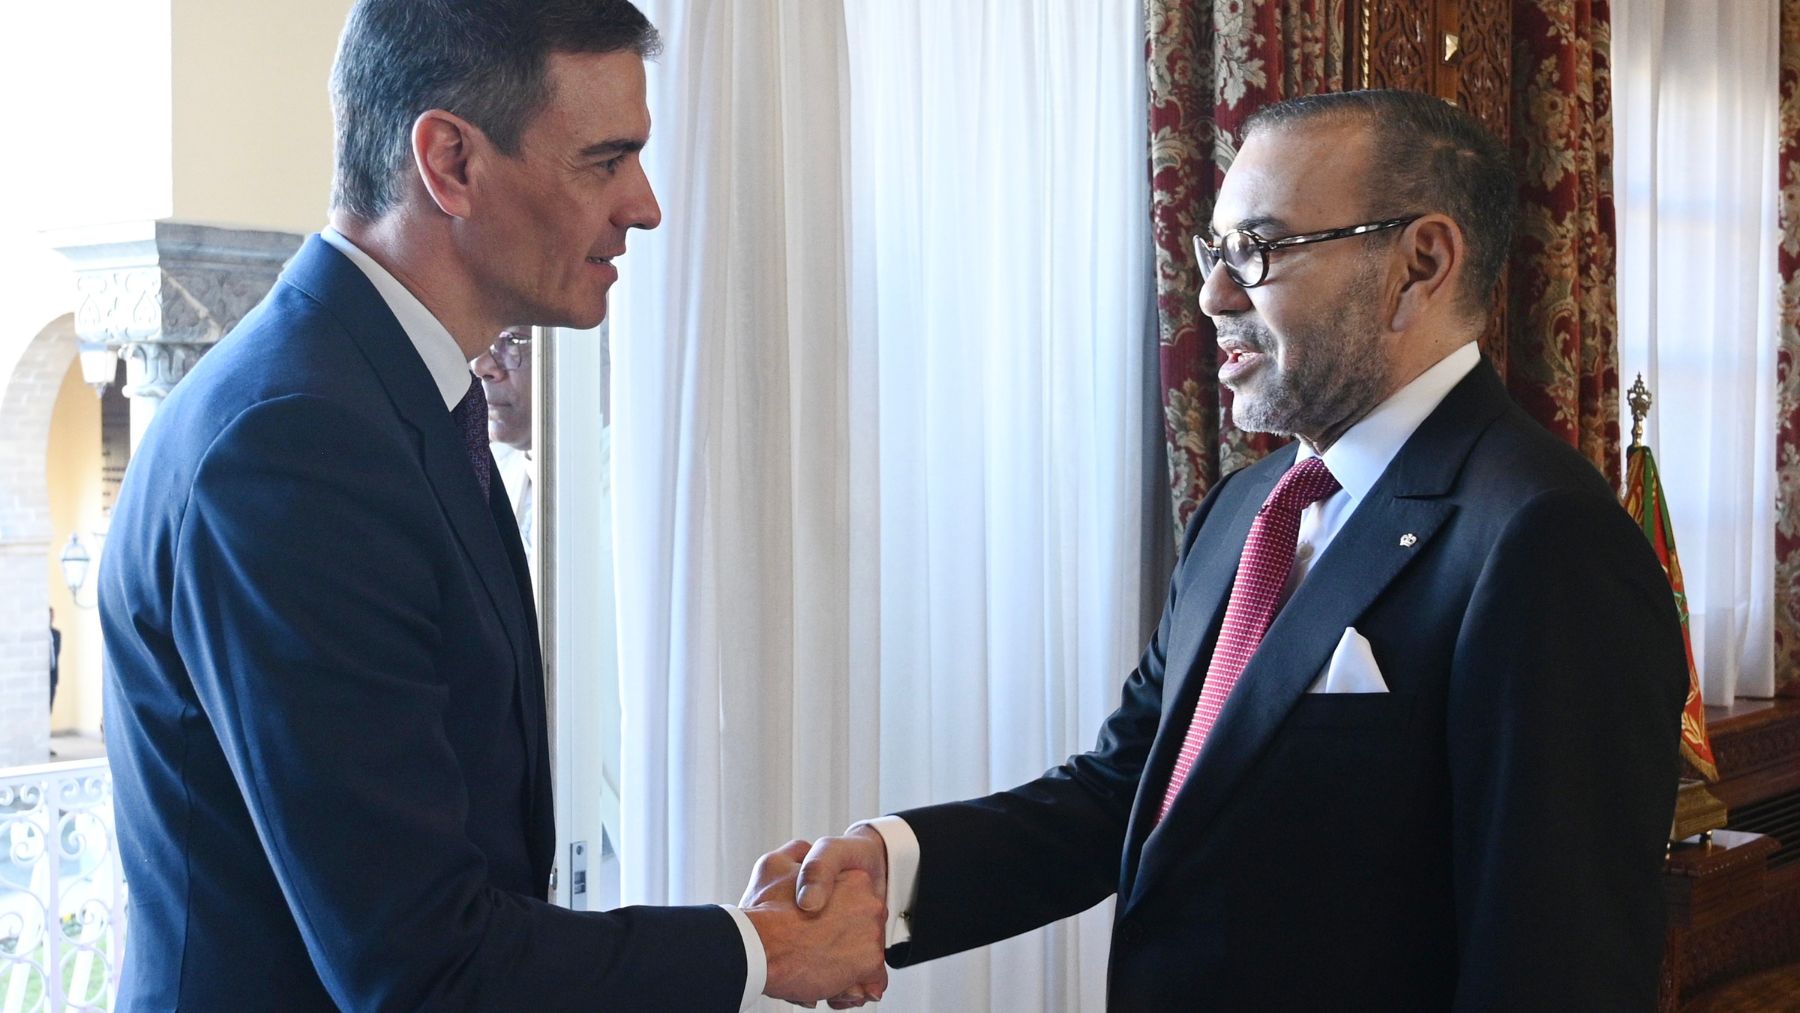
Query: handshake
(821,913)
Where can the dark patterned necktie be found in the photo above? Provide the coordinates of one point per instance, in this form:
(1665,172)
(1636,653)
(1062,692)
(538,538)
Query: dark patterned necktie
(1255,599)
(471,419)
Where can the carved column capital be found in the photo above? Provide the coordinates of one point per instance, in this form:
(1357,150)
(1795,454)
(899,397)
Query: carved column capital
(169,281)
(163,292)
(152,368)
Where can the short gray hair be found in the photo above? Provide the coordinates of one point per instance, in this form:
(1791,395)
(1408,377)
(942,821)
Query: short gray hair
(1430,156)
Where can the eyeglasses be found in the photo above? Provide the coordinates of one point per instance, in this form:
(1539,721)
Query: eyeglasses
(509,350)
(1246,254)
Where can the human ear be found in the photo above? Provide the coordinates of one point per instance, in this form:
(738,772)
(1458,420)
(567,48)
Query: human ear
(1431,252)
(443,146)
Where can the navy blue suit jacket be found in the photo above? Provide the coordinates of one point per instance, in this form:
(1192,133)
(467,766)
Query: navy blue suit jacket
(1487,835)
(325,703)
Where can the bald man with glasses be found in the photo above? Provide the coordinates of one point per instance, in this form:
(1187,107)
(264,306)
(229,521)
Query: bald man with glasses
(1405,737)
(504,369)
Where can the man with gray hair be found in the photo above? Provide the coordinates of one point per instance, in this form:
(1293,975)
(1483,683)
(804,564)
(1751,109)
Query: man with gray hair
(325,694)
(1405,738)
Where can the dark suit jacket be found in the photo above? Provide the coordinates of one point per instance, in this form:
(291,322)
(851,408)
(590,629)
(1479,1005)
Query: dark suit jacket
(1485,836)
(325,702)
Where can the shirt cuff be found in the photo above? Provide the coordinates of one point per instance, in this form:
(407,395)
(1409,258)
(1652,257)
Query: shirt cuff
(756,960)
(902,873)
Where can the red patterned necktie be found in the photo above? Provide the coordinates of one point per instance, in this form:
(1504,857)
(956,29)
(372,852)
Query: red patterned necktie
(470,415)
(1255,599)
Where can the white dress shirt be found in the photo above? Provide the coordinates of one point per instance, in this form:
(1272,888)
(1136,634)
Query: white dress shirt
(1357,460)
(1360,456)
(443,357)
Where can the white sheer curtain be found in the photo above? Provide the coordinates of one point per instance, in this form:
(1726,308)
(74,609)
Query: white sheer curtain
(1001,247)
(732,502)
(879,442)
(1695,109)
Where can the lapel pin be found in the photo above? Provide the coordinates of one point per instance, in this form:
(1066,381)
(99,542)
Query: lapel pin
(1408,540)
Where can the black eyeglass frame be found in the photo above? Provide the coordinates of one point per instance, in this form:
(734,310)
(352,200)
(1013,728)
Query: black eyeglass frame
(508,350)
(1208,254)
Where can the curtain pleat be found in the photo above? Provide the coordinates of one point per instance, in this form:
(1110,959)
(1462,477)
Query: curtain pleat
(1563,346)
(880,439)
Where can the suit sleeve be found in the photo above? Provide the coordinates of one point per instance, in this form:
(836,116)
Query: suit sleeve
(312,561)
(993,867)
(1563,720)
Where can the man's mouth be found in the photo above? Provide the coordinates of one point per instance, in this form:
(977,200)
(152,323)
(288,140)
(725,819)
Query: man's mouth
(600,260)
(1237,350)
(1240,357)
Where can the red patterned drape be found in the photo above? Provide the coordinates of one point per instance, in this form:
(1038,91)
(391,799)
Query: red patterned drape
(1563,344)
(1212,64)
(1787,460)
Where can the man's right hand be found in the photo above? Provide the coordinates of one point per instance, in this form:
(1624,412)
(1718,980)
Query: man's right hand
(861,849)
(836,948)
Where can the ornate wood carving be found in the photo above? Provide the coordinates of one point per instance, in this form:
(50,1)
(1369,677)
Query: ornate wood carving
(1460,50)
(1398,45)
(1766,935)
(1745,747)
(1484,64)
(1711,881)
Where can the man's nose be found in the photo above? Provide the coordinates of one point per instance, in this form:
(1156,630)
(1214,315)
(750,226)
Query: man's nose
(642,211)
(1221,296)
(486,368)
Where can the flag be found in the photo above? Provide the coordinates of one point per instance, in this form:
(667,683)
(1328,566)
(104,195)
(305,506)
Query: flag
(1644,501)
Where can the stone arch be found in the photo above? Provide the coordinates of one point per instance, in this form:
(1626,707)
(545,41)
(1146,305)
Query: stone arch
(26,406)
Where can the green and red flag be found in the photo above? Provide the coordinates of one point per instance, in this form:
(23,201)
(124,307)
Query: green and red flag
(1645,502)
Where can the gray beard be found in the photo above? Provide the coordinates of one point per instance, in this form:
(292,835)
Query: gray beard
(1339,378)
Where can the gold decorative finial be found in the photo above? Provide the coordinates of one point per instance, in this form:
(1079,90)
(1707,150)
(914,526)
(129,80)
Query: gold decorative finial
(1638,397)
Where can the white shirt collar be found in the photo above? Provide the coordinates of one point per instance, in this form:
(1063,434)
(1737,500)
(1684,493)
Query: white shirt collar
(442,355)
(1359,457)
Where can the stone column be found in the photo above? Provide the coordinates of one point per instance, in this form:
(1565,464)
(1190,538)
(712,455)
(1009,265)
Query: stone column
(162,292)
(27,401)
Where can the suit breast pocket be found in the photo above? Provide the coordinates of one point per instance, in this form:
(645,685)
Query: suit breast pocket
(1350,711)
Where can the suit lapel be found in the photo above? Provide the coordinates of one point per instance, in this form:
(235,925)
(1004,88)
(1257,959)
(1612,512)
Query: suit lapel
(1364,558)
(334,282)
(1214,568)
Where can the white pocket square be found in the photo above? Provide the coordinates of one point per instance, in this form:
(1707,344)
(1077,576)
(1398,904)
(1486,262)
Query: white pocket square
(1352,668)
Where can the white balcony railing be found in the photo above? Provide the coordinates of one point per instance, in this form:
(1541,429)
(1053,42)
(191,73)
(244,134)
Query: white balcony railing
(62,894)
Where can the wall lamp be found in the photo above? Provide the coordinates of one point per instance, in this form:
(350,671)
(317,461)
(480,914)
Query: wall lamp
(75,562)
(99,364)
